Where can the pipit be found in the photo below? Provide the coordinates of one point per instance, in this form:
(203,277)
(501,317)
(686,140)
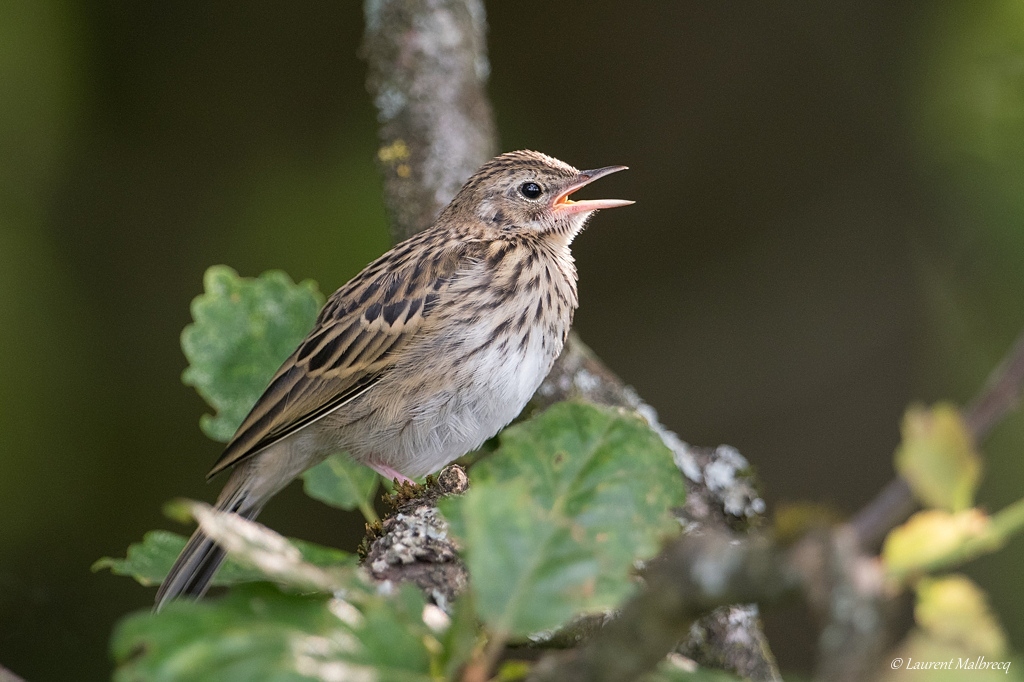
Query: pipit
(426,353)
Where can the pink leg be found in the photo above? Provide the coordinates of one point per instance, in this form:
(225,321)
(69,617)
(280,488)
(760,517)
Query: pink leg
(389,473)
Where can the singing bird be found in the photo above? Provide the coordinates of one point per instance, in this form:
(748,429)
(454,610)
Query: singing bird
(426,353)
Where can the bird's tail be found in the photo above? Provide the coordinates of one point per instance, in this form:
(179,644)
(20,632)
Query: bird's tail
(195,567)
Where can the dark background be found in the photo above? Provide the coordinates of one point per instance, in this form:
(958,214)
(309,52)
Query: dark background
(828,226)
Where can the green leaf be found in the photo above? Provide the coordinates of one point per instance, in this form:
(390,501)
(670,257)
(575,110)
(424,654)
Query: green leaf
(254,545)
(937,457)
(934,540)
(923,658)
(343,483)
(149,561)
(257,633)
(528,572)
(929,537)
(957,628)
(558,516)
(953,609)
(243,330)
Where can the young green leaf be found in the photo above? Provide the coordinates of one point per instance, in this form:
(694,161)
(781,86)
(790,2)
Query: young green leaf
(558,517)
(243,330)
(957,629)
(953,609)
(930,536)
(937,457)
(259,633)
(343,483)
(149,561)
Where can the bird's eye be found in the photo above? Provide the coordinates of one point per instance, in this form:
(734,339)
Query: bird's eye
(530,190)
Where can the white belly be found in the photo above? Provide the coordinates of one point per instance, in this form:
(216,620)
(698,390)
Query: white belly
(464,379)
(474,400)
(445,400)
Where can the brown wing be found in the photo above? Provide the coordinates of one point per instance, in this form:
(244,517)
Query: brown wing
(354,343)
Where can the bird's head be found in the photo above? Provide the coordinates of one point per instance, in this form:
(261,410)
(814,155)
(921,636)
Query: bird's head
(529,191)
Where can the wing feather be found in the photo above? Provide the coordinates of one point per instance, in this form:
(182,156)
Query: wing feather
(353,344)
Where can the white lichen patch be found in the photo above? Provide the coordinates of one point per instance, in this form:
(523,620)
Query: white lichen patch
(681,455)
(406,538)
(389,102)
(723,477)
(721,473)
(586,381)
(742,621)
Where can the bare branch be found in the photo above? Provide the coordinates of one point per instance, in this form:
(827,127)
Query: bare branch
(1000,395)
(892,506)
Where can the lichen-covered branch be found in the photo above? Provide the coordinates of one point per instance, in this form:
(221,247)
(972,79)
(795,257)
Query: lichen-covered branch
(713,569)
(412,544)
(720,494)
(427,73)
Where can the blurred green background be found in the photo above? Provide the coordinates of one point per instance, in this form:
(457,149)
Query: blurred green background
(829,224)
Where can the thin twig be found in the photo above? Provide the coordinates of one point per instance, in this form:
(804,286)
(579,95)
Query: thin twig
(891,506)
(1000,395)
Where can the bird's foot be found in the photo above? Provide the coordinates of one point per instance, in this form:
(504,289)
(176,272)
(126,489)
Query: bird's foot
(390,474)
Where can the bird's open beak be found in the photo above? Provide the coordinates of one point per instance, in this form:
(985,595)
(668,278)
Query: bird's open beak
(564,205)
